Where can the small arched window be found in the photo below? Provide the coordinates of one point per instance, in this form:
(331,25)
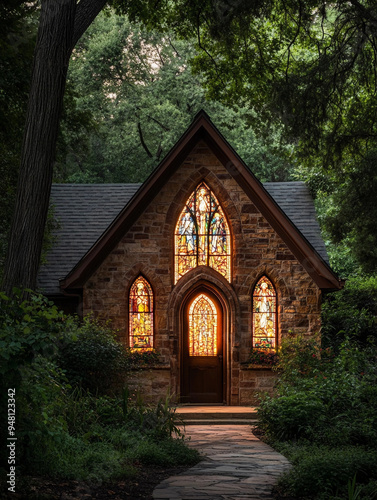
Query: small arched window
(202,235)
(264,315)
(141,315)
(202,327)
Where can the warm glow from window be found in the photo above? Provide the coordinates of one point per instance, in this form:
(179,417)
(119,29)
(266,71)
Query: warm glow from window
(264,315)
(202,327)
(202,235)
(141,315)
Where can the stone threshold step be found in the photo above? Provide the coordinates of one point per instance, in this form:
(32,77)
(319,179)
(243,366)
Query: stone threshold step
(215,415)
(218,421)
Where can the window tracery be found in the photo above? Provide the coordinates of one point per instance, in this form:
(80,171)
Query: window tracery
(141,315)
(202,327)
(264,315)
(202,235)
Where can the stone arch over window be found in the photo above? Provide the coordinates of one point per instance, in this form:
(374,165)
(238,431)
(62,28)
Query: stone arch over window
(141,306)
(202,236)
(264,315)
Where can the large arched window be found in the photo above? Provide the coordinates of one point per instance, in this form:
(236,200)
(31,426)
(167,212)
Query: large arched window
(264,315)
(141,315)
(202,235)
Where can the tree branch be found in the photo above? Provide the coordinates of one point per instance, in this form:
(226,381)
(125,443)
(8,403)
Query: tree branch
(86,12)
(142,141)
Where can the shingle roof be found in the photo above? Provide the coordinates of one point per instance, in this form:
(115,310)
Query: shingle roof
(84,211)
(295,200)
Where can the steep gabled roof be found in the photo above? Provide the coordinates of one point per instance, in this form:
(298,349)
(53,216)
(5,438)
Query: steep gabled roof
(84,211)
(311,257)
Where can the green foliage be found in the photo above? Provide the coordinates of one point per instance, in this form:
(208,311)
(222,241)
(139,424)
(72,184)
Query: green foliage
(143,103)
(351,312)
(29,327)
(308,64)
(139,359)
(323,473)
(327,399)
(62,429)
(299,356)
(353,213)
(263,357)
(159,421)
(92,357)
(291,416)
(167,453)
(323,418)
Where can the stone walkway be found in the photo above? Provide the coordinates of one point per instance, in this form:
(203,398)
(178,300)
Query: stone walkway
(237,466)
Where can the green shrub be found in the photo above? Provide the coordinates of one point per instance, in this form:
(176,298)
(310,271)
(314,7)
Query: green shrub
(83,411)
(168,452)
(293,416)
(31,331)
(28,328)
(351,312)
(299,356)
(93,358)
(322,473)
(159,421)
(325,399)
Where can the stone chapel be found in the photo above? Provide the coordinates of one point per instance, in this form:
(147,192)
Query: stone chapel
(201,262)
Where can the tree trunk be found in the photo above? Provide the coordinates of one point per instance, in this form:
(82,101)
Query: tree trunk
(61,24)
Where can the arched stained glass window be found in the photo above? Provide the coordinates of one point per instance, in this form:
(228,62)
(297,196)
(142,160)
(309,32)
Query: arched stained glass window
(202,327)
(202,235)
(264,315)
(141,315)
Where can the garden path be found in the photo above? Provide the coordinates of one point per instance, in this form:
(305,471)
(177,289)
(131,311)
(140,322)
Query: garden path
(237,466)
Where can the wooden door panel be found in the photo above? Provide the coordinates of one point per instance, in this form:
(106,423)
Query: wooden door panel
(202,375)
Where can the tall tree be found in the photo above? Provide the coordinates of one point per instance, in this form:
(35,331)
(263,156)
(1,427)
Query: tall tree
(61,24)
(17,41)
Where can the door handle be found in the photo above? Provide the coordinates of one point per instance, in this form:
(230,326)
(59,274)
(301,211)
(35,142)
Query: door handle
(220,356)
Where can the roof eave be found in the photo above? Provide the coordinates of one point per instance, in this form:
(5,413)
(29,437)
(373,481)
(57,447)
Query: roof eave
(203,129)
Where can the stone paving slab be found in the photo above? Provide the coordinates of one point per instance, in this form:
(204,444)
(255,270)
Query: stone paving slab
(237,466)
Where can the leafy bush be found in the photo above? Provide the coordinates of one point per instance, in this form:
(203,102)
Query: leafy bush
(72,432)
(142,359)
(160,421)
(30,333)
(263,357)
(93,358)
(325,399)
(291,416)
(351,312)
(168,453)
(321,472)
(28,328)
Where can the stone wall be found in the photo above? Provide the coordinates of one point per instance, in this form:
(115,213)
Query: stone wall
(148,248)
(153,384)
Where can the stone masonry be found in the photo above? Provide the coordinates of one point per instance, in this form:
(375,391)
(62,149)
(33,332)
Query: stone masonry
(148,249)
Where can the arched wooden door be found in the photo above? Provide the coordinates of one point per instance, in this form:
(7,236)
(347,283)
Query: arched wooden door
(202,349)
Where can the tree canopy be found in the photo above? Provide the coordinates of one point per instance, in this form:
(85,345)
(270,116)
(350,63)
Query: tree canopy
(137,87)
(307,66)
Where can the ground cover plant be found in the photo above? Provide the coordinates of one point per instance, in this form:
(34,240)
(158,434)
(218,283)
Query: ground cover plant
(74,419)
(324,418)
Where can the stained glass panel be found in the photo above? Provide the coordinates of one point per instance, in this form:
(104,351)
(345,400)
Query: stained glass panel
(202,327)
(264,315)
(202,232)
(141,315)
